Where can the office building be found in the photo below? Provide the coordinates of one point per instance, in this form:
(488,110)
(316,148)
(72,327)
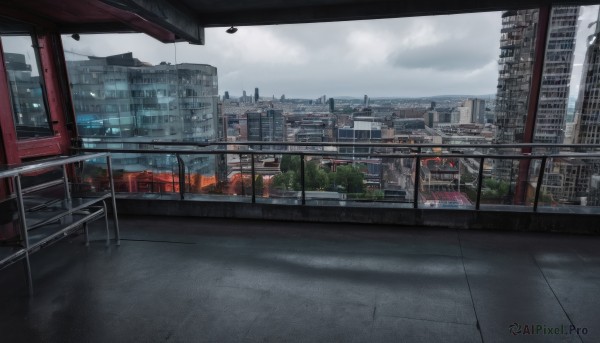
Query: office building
(122,97)
(268,126)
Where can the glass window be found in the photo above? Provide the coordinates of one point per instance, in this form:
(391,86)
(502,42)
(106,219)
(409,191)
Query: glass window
(25,82)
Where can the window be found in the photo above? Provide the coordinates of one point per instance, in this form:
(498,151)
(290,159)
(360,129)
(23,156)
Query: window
(26,84)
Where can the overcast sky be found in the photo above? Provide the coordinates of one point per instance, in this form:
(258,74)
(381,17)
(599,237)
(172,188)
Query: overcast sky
(422,56)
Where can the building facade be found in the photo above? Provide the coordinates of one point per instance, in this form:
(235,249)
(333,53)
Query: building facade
(517,47)
(120,98)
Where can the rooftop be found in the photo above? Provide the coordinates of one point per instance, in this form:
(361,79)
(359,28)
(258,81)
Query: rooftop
(223,280)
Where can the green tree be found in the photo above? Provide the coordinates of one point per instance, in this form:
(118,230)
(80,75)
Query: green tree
(348,179)
(290,163)
(288,181)
(316,179)
(494,189)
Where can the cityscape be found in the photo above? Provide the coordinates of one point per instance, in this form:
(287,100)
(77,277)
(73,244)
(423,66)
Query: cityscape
(121,101)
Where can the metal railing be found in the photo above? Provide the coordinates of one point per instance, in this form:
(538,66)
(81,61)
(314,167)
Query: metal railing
(543,153)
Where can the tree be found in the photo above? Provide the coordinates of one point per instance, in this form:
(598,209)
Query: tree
(288,181)
(316,179)
(290,163)
(349,179)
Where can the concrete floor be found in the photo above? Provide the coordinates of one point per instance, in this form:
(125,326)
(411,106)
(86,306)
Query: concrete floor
(214,280)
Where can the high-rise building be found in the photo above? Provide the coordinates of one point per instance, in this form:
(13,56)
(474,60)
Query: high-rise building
(517,50)
(477,108)
(587,120)
(517,44)
(256,97)
(120,96)
(558,61)
(226,96)
(331,105)
(268,126)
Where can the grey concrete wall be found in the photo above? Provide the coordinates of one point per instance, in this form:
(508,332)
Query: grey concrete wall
(455,218)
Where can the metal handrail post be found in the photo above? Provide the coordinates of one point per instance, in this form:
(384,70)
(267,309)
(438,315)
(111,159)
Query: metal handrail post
(113,200)
(479,183)
(253,175)
(540,181)
(302,179)
(24,234)
(416,182)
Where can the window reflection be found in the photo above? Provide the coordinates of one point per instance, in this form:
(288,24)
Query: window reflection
(26,85)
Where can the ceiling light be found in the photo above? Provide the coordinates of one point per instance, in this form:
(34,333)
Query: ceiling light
(231,30)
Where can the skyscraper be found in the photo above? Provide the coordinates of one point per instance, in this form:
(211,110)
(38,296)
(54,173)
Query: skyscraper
(120,96)
(587,119)
(517,44)
(558,62)
(477,108)
(256,94)
(517,50)
(268,126)
(587,127)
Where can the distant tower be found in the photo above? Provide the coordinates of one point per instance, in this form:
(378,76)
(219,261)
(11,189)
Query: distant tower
(365,102)
(331,105)
(432,106)
(226,96)
(256,94)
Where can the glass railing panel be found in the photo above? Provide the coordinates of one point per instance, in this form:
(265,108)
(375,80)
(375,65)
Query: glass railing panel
(500,189)
(283,186)
(156,175)
(571,184)
(441,183)
(468,178)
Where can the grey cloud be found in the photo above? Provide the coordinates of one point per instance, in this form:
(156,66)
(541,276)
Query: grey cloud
(445,56)
(469,42)
(329,67)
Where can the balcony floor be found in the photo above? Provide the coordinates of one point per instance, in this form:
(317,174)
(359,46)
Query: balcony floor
(216,280)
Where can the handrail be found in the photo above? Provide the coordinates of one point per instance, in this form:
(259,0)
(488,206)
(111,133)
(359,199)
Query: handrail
(417,154)
(359,144)
(12,170)
(332,153)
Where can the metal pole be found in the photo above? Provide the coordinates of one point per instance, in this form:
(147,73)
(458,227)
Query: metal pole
(114,201)
(66,181)
(302,180)
(479,183)
(24,234)
(417,178)
(253,178)
(242,176)
(540,181)
(181,173)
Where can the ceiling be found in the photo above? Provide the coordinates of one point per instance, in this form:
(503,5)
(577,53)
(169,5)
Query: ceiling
(175,20)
